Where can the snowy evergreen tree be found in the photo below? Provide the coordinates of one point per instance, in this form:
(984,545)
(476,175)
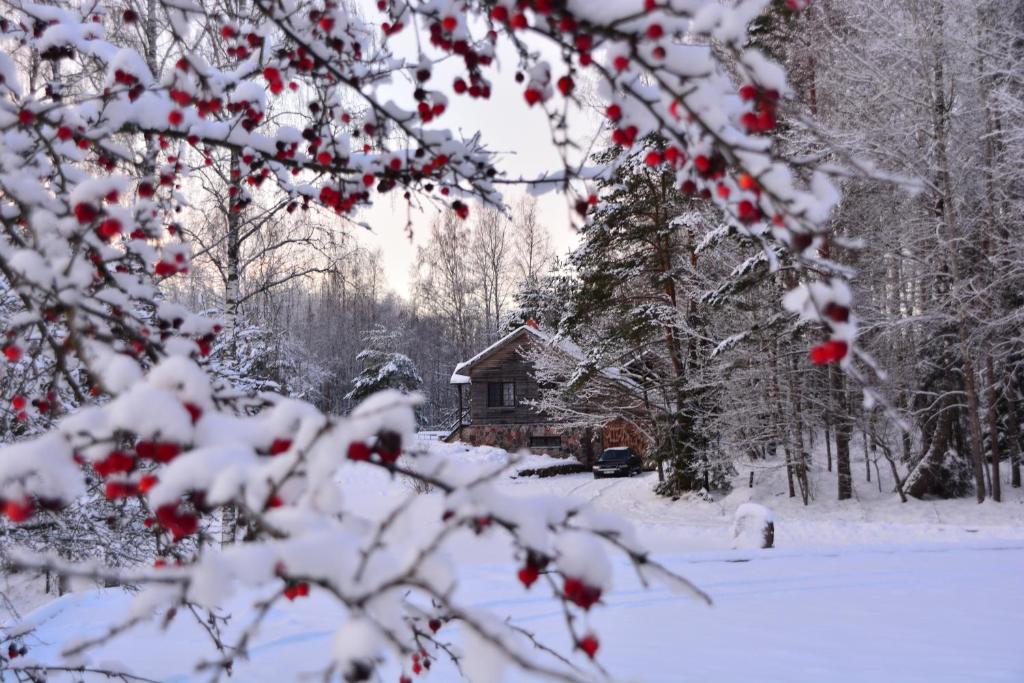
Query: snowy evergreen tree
(627,299)
(383,367)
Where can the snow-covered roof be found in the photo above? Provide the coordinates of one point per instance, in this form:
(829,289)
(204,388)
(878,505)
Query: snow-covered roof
(564,344)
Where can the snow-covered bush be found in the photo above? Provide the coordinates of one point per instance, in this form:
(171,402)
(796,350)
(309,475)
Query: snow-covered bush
(753,527)
(311,102)
(383,367)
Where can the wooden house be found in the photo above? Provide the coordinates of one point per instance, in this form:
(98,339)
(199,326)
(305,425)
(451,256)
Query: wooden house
(495,387)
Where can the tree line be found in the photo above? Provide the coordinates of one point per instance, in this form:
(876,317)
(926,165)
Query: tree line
(925,99)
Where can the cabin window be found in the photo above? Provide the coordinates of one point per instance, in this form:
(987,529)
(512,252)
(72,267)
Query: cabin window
(501,394)
(545,442)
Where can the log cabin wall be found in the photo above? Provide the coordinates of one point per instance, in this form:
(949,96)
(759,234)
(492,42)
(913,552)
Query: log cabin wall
(619,432)
(516,426)
(504,366)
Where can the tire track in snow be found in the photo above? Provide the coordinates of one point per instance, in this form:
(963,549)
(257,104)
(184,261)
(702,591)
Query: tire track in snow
(600,492)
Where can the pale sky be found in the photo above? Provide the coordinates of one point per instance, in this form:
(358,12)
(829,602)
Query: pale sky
(520,133)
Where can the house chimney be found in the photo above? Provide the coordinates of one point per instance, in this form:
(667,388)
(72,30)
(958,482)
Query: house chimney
(532,323)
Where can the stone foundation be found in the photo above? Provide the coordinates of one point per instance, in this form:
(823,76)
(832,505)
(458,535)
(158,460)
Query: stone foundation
(578,442)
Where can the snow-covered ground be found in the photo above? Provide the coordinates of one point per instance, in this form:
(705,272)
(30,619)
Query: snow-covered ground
(866,590)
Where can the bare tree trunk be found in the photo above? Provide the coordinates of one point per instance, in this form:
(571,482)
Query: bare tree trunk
(993,428)
(919,479)
(867,459)
(887,452)
(796,429)
(232,296)
(842,430)
(973,420)
(828,444)
(789,471)
(778,430)
(1013,435)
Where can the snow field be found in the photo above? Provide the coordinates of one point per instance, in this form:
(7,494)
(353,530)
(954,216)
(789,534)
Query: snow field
(866,590)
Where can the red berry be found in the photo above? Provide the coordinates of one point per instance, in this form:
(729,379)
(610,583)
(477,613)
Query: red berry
(750,121)
(449,24)
(589,644)
(580,593)
(296,590)
(614,112)
(800,240)
(166,452)
(280,446)
(654,31)
(146,482)
(25,117)
(532,95)
(435,625)
(116,462)
(653,158)
(19,511)
(115,490)
(836,312)
(748,211)
(64,133)
(19,402)
(194,411)
(182,98)
(621,63)
(357,450)
(528,574)
(499,13)
(832,351)
(85,212)
(109,229)
(180,524)
(565,85)
(165,269)
(12,352)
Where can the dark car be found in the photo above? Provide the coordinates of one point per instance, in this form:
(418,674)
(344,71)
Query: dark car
(616,462)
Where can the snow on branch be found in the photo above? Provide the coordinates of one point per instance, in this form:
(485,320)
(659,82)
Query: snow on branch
(105,112)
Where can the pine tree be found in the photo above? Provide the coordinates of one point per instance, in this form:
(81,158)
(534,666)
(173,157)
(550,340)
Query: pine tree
(630,307)
(383,367)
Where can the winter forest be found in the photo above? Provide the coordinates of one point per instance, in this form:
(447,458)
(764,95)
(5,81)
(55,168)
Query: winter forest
(511,340)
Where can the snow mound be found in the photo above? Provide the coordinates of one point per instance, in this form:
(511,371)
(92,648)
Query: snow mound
(753,527)
(498,457)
